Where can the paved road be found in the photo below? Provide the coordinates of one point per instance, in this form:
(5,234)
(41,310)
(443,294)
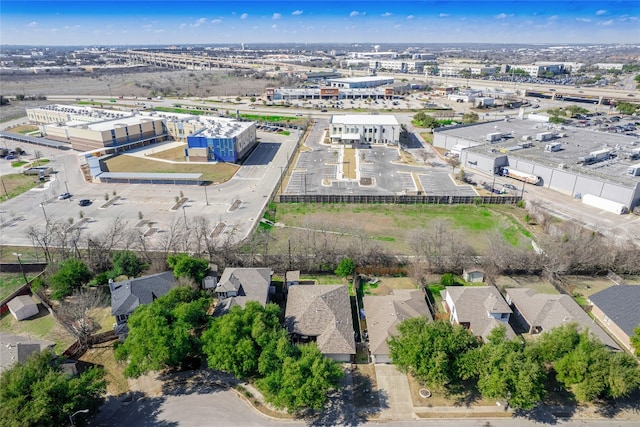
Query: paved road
(224,408)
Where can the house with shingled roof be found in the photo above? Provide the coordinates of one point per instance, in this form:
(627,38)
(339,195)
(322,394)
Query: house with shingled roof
(384,313)
(237,286)
(542,312)
(128,295)
(478,308)
(618,309)
(322,314)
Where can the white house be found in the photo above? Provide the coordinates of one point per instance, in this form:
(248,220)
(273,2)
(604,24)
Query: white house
(364,129)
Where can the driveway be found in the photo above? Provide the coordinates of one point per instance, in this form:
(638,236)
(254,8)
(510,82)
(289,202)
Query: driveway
(395,397)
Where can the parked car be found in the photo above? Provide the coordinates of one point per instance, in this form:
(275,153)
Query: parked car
(510,186)
(10,157)
(84,202)
(64,196)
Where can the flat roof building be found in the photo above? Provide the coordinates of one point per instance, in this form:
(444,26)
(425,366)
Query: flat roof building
(578,168)
(364,129)
(361,82)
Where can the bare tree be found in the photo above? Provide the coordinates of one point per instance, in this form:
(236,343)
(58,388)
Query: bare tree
(75,312)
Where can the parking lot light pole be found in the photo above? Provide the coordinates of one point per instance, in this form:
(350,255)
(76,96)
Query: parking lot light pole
(45,213)
(81,411)
(184,213)
(205,195)
(17,255)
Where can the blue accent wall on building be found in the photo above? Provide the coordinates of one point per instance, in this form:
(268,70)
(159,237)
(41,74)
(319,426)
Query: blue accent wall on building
(220,149)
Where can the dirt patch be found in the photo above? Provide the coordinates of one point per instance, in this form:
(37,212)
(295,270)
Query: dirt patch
(114,371)
(442,398)
(365,387)
(586,285)
(349,163)
(150,384)
(539,285)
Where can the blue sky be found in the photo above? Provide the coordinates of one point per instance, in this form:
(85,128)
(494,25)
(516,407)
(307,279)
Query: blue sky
(117,22)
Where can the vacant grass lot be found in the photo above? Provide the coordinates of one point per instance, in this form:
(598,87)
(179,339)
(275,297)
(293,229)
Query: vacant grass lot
(219,172)
(392,226)
(16,184)
(175,154)
(9,283)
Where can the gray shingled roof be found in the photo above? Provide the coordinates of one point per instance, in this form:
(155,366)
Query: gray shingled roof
(385,312)
(127,296)
(20,302)
(251,284)
(548,311)
(475,303)
(621,304)
(16,348)
(324,312)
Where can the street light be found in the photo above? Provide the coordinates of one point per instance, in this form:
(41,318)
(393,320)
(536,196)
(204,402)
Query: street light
(184,213)
(81,411)
(45,213)
(17,255)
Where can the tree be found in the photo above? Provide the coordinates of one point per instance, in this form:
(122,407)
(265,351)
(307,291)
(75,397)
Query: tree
(127,263)
(72,274)
(234,342)
(346,267)
(426,121)
(165,333)
(185,266)
(469,118)
(429,351)
(39,393)
(635,340)
(75,312)
(505,369)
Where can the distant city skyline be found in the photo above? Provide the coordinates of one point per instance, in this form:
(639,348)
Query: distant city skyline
(153,22)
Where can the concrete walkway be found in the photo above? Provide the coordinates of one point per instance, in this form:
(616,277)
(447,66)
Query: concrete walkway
(395,396)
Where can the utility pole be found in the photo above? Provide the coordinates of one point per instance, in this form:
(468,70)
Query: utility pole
(17,255)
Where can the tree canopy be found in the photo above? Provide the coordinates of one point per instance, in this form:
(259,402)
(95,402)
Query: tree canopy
(165,333)
(426,121)
(39,393)
(428,350)
(251,343)
(185,266)
(71,275)
(127,263)
(346,267)
(635,340)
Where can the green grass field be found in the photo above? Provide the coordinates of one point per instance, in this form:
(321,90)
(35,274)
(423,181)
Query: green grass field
(9,283)
(392,226)
(15,184)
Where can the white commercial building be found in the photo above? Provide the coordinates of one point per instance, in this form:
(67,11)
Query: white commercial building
(364,129)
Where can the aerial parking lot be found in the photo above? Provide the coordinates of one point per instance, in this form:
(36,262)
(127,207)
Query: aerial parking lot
(371,169)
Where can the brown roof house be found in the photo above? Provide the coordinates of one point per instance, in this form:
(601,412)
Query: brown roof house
(128,295)
(239,285)
(543,312)
(618,309)
(385,312)
(479,308)
(22,307)
(322,313)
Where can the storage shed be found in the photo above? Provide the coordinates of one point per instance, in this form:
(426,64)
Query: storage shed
(23,307)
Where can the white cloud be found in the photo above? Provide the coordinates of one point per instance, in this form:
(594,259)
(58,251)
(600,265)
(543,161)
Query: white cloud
(501,16)
(354,13)
(161,30)
(274,26)
(553,18)
(216,21)
(297,12)
(397,26)
(410,17)
(32,24)
(182,26)
(443,15)
(54,30)
(244,16)
(601,12)
(607,23)
(199,22)
(386,14)
(276,16)
(583,19)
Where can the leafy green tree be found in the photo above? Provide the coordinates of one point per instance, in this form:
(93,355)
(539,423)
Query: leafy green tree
(505,369)
(346,267)
(635,340)
(302,380)
(128,264)
(165,333)
(39,393)
(234,342)
(628,107)
(72,274)
(574,110)
(429,351)
(185,266)
(551,346)
(426,121)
